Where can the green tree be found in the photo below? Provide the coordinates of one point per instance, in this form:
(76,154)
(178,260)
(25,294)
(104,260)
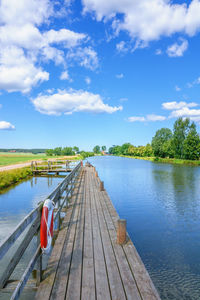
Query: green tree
(161,142)
(124,148)
(57,151)
(67,151)
(49,152)
(181,129)
(115,150)
(103,148)
(76,149)
(191,145)
(96,149)
(148,151)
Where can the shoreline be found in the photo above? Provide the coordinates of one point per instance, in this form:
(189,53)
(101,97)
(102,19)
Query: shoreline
(173,161)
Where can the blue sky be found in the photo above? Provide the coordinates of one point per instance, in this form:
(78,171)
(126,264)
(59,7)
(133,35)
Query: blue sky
(96,71)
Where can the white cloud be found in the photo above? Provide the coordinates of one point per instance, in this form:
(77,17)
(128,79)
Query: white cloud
(120,76)
(18,73)
(87,80)
(86,57)
(122,47)
(195,82)
(67,102)
(147,20)
(177,50)
(24,47)
(6,126)
(64,76)
(183,109)
(67,37)
(158,52)
(155,118)
(148,118)
(177,88)
(136,119)
(177,105)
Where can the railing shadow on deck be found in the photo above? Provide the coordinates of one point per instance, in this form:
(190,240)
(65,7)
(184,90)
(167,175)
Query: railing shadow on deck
(32,223)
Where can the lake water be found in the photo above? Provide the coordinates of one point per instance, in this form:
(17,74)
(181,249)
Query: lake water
(161,203)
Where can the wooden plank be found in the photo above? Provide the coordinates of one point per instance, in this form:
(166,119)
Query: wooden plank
(75,275)
(142,278)
(115,282)
(101,277)
(128,280)
(45,288)
(88,277)
(61,280)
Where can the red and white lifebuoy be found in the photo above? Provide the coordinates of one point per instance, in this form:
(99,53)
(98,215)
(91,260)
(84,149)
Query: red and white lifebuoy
(46,226)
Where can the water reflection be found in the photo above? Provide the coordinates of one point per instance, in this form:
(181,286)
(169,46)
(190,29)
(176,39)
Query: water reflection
(21,199)
(161,203)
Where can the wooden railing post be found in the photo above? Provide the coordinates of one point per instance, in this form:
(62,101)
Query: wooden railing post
(101,187)
(121,231)
(59,214)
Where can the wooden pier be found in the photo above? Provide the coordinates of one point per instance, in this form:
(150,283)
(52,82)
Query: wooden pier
(92,258)
(86,262)
(51,167)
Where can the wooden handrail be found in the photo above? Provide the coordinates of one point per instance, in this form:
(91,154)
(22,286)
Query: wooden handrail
(34,217)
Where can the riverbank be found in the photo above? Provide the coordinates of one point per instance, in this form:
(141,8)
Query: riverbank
(166,160)
(10,177)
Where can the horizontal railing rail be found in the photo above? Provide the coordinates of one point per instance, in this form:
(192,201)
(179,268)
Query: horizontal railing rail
(33,220)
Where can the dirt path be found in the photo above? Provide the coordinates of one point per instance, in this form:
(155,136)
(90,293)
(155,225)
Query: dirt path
(17,166)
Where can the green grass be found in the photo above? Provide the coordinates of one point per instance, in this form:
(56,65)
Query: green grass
(167,160)
(7,158)
(7,178)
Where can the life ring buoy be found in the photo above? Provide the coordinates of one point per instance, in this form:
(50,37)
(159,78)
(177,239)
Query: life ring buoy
(46,226)
(81,163)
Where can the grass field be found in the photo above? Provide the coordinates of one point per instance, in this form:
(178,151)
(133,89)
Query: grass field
(7,158)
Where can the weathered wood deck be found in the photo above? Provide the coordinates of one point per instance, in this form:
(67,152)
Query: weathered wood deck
(86,262)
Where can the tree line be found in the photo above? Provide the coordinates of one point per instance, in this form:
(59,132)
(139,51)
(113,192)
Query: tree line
(183,143)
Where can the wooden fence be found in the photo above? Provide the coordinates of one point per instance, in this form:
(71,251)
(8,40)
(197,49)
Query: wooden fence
(60,196)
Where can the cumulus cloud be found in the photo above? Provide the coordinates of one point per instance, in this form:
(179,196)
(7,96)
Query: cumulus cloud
(87,57)
(24,47)
(68,102)
(6,126)
(177,50)
(148,118)
(183,109)
(177,105)
(64,76)
(122,47)
(147,20)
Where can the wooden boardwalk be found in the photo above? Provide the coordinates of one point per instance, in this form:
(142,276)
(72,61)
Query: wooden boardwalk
(86,262)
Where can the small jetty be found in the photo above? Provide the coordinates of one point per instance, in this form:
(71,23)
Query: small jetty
(93,256)
(51,167)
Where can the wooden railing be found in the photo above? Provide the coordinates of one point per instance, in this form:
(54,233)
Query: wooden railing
(34,218)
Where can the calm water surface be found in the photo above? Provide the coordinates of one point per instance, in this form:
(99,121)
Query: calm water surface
(161,203)
(15,204)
